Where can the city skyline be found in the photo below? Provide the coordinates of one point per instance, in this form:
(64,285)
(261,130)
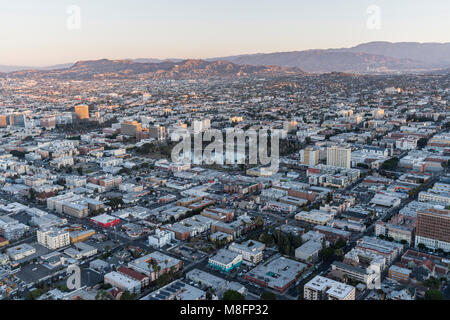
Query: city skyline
(55,32)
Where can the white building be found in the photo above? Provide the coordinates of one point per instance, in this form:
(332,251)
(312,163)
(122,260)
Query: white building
(160,238)
(123,282)
(251,251)
(53,238)
(321,288)
(339,157)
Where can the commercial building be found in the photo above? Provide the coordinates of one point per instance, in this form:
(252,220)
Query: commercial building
(277,274)
(20,251)
(321,288)
(105,220)
(80,235)
(225,260)
(433,229)
(314,217)
(177,290)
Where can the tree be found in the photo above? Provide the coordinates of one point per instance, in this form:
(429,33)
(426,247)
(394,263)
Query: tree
(128,296)
(80,171)
(326,254)
(232,295)
(421,246)
(266,295)
(434,294)
(390,164)
(422,143)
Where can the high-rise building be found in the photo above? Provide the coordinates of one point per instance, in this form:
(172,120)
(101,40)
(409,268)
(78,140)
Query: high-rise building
(3,121)
(157,132)
(433,229)
(339,156)
(17,119)
(310,156)
(81,112)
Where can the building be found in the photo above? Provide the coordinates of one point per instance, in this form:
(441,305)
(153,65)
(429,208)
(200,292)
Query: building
(251,251)
(177,290)
(123,282)
(20,251)
(321,288)
(81,250)
(310,156)
(309,251)
(399,274)
(400,228)
(155,264)
(130,128)
(433,229)
(160,238)
(277,274)
(81,112)
(157,132)
(53,238)
(314,217)
(105,220)
(339,157)
(130,273)
(80,235)
(225,260)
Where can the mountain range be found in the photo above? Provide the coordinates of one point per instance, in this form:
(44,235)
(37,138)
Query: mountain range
(122,69)
(372,57)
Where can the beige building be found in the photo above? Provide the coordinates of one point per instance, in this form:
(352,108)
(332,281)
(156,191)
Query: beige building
(310,156)
(339,157)
(81,112)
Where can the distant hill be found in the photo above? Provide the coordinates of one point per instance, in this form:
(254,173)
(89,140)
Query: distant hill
(186,69)
(365,58)
(4,68)
(321,61)
(432,54)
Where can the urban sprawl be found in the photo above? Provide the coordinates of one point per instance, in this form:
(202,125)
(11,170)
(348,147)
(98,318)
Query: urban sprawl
(358,208)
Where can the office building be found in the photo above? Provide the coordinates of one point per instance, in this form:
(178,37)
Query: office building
(433,229)
(339,157)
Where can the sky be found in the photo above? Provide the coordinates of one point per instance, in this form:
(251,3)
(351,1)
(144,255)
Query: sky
(48,32)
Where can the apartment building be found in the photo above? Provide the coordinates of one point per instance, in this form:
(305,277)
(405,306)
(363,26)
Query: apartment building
(321,288)
(339,157)
(53,238)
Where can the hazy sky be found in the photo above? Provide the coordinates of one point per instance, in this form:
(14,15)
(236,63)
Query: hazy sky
(35,32)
